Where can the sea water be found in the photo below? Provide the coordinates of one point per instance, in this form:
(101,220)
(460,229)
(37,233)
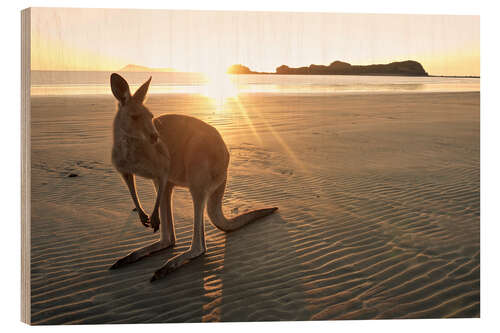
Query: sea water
(97,82)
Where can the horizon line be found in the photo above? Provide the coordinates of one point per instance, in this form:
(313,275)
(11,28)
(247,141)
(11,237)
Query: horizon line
(261,73)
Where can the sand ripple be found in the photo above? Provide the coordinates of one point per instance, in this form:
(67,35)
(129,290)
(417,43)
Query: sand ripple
(379,214)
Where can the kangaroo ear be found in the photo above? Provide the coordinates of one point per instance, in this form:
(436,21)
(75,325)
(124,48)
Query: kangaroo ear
(140,94)
(120,88)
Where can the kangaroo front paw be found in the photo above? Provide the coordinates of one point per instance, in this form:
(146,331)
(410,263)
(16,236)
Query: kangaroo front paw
(144,218)
(155,221)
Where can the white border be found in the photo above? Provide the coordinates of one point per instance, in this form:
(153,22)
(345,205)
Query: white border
(490,182)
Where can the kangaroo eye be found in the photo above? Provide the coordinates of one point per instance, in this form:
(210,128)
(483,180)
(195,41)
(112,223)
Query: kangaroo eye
(135,117)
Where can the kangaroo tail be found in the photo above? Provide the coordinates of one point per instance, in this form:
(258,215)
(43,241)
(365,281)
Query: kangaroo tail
(214,209)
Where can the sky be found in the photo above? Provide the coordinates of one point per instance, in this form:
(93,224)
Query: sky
(211,41)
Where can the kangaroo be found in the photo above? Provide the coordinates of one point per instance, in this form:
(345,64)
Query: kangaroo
(171,150)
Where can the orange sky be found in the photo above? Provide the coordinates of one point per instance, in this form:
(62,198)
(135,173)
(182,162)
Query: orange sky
(108,39)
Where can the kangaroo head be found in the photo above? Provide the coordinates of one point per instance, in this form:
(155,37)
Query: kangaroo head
(133,117)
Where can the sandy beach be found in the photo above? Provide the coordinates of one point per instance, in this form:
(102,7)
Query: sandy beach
(378,198)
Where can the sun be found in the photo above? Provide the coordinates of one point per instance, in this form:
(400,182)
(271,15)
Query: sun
(219,88)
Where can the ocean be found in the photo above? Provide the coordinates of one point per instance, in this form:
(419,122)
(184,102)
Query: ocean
(54,83)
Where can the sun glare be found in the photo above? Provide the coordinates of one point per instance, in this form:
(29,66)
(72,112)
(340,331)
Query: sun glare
(219,88)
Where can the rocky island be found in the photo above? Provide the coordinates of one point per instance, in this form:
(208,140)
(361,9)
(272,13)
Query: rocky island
(401,68)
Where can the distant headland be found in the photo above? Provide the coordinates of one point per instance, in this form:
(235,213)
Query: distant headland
(138,68)
(401,68)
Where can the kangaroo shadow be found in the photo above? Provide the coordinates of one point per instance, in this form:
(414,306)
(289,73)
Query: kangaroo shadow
(260,280)
(247,275)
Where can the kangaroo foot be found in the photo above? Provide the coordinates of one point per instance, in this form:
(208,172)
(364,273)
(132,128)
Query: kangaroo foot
(175,263)
(141,253)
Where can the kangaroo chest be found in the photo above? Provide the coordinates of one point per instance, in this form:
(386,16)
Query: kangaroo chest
(131,155)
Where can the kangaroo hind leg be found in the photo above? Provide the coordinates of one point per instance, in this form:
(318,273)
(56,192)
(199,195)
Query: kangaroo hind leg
(198,246)
(167,233)
(167,228)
